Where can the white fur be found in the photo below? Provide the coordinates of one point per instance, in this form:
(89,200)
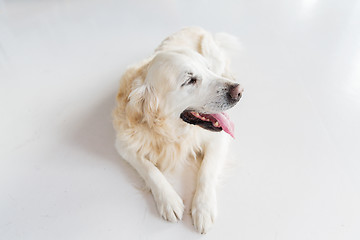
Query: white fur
(150,134)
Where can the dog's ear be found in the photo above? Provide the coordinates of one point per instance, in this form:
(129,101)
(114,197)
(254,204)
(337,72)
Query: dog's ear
(218,50)
(211,51)
(143,104)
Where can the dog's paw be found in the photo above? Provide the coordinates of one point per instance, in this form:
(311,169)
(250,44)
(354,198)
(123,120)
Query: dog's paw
(170,205)
(203,212)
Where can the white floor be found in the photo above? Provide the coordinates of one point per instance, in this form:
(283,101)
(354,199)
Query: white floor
(297,152)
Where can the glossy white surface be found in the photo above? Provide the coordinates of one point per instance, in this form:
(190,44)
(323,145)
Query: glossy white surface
(296,170)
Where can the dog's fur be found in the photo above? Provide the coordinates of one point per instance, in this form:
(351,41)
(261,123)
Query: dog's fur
(153,138)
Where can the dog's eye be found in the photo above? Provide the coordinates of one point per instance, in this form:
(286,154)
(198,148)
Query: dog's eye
(192,81)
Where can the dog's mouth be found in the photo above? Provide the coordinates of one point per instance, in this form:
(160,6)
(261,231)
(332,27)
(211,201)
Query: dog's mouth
(214,122)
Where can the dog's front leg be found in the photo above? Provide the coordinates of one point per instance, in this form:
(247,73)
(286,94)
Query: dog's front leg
(168,202)
(204,205)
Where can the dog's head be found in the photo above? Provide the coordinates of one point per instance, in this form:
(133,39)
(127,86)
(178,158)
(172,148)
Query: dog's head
(181,85)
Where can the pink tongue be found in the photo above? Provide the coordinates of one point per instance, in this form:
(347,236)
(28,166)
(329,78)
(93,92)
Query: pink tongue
(226,124)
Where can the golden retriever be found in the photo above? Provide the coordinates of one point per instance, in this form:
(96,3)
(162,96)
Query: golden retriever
(170,109)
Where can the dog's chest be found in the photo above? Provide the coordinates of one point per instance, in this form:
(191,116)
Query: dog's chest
(166,154)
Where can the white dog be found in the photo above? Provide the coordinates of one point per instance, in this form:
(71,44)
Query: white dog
(170,110)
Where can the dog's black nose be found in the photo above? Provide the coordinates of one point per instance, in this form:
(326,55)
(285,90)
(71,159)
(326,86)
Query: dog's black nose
(235,92)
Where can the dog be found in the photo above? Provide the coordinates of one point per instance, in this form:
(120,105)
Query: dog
(170,109)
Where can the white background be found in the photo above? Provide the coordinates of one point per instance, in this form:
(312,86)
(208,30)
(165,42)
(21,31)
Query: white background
(295,163)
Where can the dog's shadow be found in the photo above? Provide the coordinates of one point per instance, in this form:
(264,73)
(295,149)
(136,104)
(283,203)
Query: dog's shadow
(94,134)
